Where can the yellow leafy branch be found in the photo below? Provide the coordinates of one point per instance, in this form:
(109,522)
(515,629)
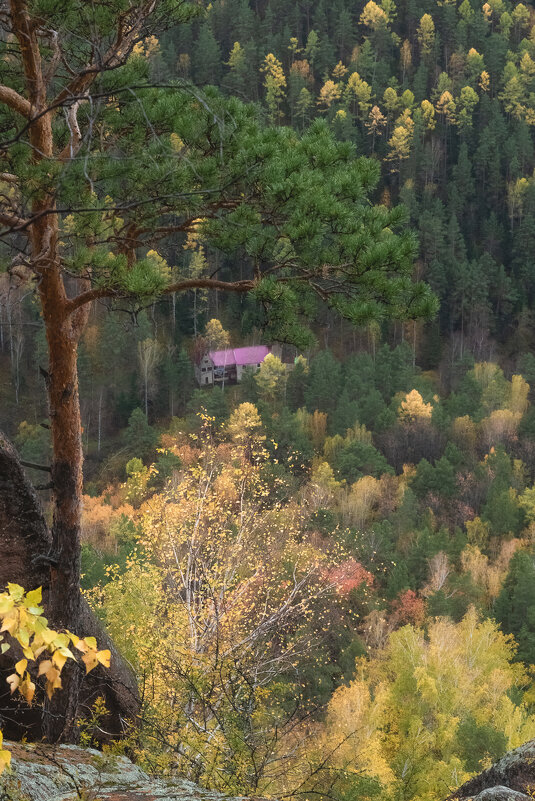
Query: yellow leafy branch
(21,618)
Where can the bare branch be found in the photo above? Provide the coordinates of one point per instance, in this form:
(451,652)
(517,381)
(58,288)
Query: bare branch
(34,466)
(75,141)
(56,56)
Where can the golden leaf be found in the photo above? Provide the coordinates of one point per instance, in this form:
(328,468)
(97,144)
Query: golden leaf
(27,689)
(90,660)
(44,667)
(104,657)
(13,680)
(21,666)
(5,757)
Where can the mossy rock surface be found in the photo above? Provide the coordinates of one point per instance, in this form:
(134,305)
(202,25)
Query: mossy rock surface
(69,773)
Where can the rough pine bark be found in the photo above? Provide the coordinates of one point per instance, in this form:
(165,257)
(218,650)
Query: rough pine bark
(66,470)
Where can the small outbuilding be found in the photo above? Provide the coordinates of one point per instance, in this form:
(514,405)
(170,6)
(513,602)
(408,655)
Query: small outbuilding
(227,366)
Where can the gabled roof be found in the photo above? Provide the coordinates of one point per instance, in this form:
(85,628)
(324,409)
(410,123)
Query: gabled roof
(239,356)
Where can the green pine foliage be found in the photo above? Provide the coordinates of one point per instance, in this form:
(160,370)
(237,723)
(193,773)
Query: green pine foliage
(442,97)
(515,606)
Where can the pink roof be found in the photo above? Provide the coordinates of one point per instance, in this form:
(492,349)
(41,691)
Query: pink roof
(239,356)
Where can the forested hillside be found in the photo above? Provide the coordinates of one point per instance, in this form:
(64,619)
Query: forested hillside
(323,575)
(442,94)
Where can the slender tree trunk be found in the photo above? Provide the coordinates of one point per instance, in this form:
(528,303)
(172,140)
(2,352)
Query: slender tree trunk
(146,382)
(462,326)
(19,347)
(99,420)
(10,329)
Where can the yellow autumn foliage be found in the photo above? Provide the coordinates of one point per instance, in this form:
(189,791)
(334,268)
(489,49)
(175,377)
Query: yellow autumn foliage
(401,720)
(413,407)
(209,615)
(21,618)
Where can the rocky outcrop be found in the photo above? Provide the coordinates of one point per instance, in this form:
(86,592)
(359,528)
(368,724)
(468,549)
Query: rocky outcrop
(25,540)
(25,544)
(69,773)
(512,778)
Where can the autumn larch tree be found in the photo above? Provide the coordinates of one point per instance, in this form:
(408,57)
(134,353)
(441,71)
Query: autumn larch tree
(101,169)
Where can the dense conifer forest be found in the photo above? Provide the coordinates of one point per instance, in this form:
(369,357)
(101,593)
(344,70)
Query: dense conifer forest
(323,575)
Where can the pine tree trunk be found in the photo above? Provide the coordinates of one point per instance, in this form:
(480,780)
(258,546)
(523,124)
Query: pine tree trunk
(64,600)
(67,480)
(61,377)
(62,332)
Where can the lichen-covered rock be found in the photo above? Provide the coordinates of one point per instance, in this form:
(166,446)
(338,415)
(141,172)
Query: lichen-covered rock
(69,773)
(512,778)
(501,793)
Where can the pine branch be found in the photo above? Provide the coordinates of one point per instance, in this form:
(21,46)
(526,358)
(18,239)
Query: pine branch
(178,286)
(15,101)
(127,35)
(13,223)
(24,29)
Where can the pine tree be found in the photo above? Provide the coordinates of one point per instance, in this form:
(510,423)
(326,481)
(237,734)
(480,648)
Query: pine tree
(426,36)
(296,385)
(206,57)
(324,381)
(515,606)
(139,436)
(238,69)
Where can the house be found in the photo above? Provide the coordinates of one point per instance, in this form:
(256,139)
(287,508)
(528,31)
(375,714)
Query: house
(227,366)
